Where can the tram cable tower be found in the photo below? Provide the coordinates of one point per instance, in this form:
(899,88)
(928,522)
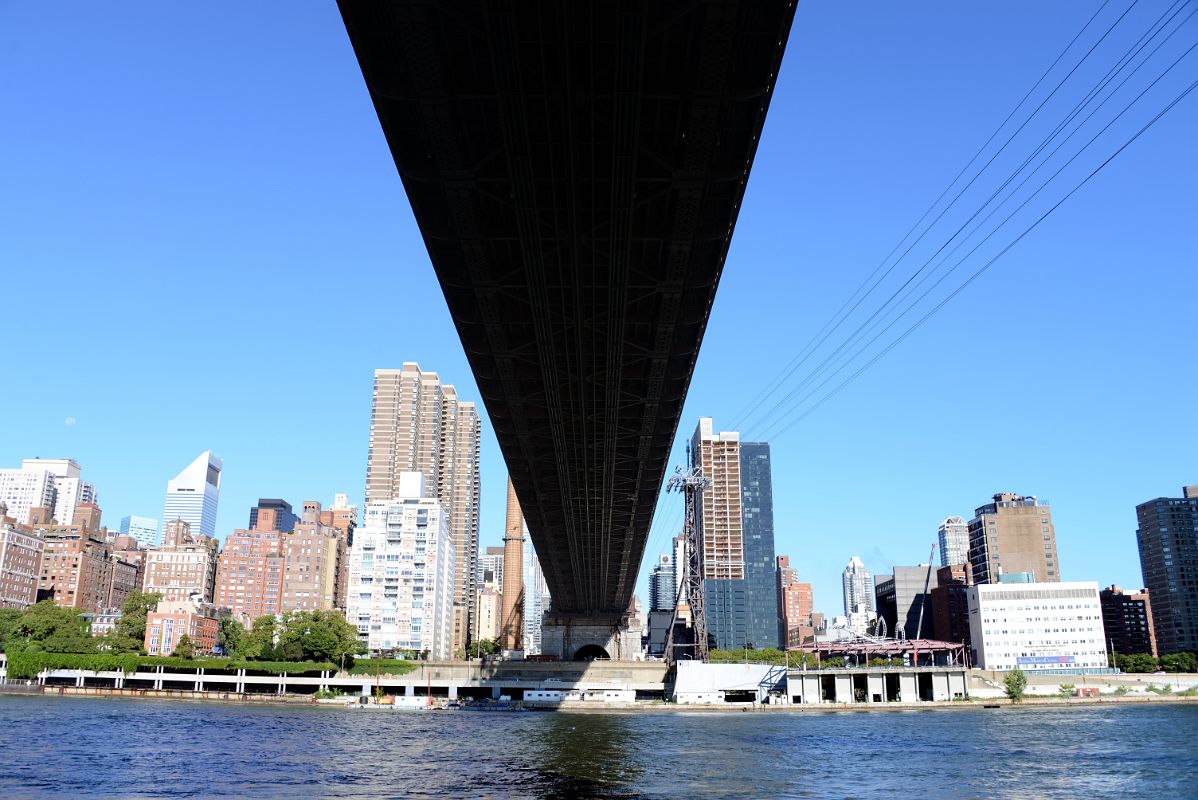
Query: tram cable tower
(688,483)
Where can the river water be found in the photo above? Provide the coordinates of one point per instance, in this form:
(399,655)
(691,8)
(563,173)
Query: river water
(87,747)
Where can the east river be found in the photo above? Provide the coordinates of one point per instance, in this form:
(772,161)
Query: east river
(84,747)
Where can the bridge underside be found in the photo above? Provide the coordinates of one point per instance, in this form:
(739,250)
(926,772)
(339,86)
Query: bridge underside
(576,169)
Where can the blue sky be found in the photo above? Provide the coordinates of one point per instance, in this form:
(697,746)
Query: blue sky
(204,244)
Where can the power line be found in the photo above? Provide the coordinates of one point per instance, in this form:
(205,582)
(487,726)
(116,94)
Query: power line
(820,336)
(881,313)
(989,263)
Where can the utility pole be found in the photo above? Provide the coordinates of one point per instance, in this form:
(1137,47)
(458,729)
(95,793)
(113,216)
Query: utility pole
(688,482)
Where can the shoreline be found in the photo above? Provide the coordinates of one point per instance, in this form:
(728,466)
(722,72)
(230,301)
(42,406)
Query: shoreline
(586,707)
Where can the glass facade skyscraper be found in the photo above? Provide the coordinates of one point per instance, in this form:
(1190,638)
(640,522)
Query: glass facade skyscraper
(193,494)
(143,529)
(735,517)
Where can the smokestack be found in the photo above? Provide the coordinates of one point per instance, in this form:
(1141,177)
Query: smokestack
(511,635)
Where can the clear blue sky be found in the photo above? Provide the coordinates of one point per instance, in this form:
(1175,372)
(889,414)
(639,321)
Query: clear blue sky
(204,244)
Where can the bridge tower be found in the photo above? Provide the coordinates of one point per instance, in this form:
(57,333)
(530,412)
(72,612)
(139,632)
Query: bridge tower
(688,483)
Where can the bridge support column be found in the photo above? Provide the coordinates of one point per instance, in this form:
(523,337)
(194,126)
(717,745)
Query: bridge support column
(581,636)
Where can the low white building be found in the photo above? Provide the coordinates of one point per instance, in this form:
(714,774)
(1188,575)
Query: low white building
(401,572)
(1037,626)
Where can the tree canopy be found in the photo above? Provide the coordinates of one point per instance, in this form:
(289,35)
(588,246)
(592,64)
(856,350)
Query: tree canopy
(47,627)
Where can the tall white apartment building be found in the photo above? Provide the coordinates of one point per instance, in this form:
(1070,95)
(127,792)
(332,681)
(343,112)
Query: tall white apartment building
(858,586)
(194,493)
(953,538)
(1037,626)
(401,573)
(53,483)
(418,424)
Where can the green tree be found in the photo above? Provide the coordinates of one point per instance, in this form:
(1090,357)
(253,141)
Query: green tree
(9,617)
(483,647)
(134,611)
(317,636)
(258,643)
(1015,684)
(230,634)
(1138,662)
(184,647)
(1179,662)
(1067,690)
(45,626)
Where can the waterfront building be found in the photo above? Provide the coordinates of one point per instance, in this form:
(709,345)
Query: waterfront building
(184,565)
(172,619)
(285,517)
(953,540)
(858,586)
(796,603)
(1127,621)
(104,622)
(79,567)
(52,483)
(662,585)
(143,529)
(315,560)
(129,550)
(20,563)
(950,604)
(418,424)
(1167,538)
(901,600)
(401,573)
(1037,626)
(194,494)
(1013,534)
(735,519)
(249,574)
(511,622)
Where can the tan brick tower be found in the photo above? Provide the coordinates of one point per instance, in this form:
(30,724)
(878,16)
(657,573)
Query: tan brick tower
(512,619)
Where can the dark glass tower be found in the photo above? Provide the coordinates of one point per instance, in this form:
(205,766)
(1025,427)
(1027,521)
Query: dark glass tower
(285,516)
(1168,542)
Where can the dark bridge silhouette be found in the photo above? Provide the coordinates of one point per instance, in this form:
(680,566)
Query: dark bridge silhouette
(576,169)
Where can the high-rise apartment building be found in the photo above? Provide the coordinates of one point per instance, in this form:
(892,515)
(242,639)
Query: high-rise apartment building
(285,517)
(20,563)
(796,604)
(953,540)
(490,605)
(143,529)
(315,560)
(343,518)
(401,571)
(662,591)
(1127,621)
(490,568)
(735,520)
(193,494)
(858,586)
(51,483)
(418,424)
(249,575)
(184,565)
(1167,537)
(1013,534)
(79,567)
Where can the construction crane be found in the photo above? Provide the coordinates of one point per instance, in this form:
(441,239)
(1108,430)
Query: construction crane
(923,598)
(688,483)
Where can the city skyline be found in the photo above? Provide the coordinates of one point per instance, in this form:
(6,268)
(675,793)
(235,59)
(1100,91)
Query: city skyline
(844,193)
